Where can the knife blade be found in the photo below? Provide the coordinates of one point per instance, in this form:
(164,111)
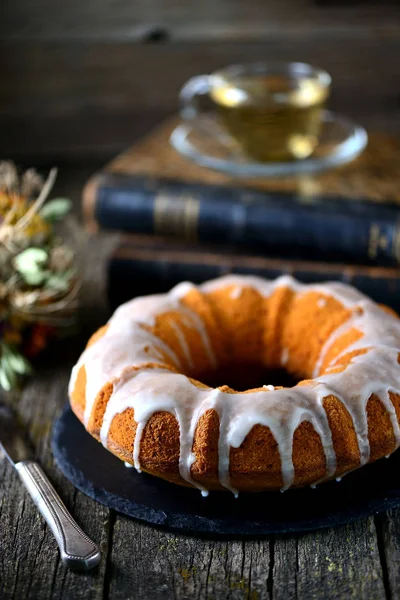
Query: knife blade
(76,549)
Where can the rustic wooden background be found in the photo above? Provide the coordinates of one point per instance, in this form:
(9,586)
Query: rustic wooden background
(85,78)
(79,82)
(141,562)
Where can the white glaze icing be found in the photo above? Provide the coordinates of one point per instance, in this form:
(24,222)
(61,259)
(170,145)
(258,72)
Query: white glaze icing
(284,357)
(236,292)
(128,343)
(269,387)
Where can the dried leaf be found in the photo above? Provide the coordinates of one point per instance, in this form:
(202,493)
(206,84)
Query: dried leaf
(16,361)
(35,278)
(60,281)
(12,364)
(60,258)
(4,381)
(31,182)
(56,209)
(30,263)
(8,176)
(8,371)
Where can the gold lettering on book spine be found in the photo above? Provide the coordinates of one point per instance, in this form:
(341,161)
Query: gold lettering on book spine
(377,241)
(176,216)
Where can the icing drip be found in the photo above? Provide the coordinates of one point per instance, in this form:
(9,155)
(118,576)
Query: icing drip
(284,357)
(127,343)
(183,343)
(136,445)
(120,347)
(236,293)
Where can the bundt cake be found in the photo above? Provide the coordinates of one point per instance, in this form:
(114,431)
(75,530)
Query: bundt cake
(138,385)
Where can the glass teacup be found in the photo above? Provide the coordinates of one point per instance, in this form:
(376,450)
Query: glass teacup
(273,111)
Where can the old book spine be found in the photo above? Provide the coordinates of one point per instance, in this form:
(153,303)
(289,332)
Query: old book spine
(328,228)
(136,269)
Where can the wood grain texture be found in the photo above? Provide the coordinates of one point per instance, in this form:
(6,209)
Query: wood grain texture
(60,78)
(110,19)
(373,175)
(326,564)
(141,562)
(30,566)
(388,527)
(168,565)
(70,98)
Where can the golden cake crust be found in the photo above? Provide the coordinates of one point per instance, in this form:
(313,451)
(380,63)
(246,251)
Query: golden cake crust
(248,329)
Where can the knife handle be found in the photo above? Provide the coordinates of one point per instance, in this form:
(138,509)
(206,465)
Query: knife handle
(76,549)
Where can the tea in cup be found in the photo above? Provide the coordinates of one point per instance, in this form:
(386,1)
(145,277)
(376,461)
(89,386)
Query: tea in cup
(273,112)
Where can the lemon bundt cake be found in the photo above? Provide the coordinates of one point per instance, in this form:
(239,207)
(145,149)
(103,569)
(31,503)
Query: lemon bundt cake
(137,386)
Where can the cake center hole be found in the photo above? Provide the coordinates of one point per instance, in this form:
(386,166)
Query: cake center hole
(247,376)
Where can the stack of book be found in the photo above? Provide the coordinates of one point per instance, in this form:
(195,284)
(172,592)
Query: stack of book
(182,222)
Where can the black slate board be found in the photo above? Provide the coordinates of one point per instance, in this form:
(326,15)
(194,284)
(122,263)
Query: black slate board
(100,475)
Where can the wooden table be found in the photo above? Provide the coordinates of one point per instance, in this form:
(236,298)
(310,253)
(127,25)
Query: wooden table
(361,560)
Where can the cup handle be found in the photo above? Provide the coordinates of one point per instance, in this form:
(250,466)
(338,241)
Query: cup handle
(190,109)
(188,96)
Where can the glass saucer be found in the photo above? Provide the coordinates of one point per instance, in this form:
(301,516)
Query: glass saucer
(203,141)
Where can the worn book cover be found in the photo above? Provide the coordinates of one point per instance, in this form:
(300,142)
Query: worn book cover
(150,265)
(348,214)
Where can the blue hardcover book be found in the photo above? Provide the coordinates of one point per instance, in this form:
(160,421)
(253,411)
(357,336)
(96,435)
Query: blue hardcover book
(143,265)
(272,223)
(349,214)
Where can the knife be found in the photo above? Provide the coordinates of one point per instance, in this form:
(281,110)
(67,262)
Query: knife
(76,549)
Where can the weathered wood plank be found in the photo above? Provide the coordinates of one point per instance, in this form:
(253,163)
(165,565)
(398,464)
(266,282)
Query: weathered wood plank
(144,562)
(389,529)
(335,563)
(77,137)
(111,92)
(121,77)
(158,564)
(329,564)
(223,19)
(30,566)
